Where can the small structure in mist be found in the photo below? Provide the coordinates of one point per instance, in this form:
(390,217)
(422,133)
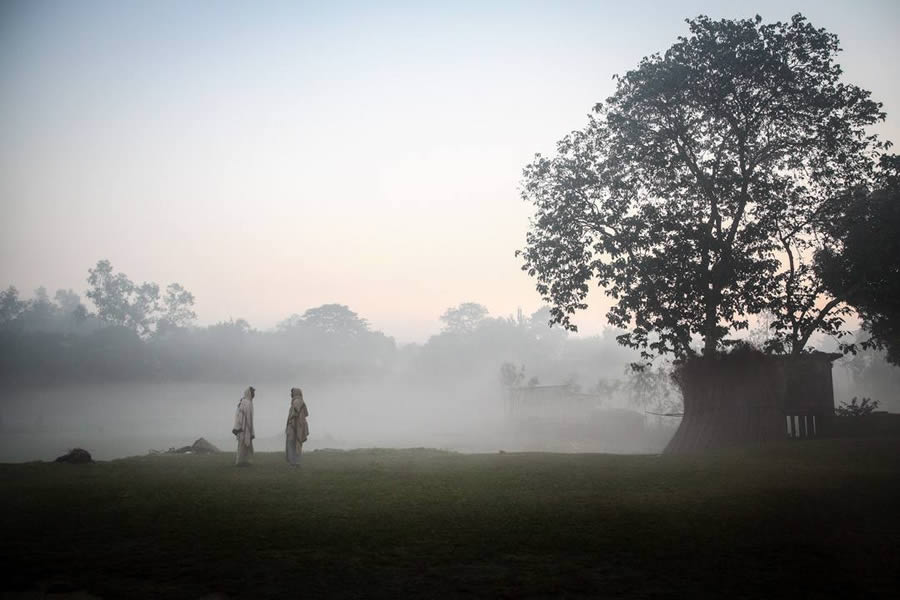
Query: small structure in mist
(550,402)
(747,398)
(561,418)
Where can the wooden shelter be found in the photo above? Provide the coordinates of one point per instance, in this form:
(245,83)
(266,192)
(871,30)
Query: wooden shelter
(750,397)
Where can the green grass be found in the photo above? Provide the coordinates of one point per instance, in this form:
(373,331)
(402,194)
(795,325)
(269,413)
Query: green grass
(811,519)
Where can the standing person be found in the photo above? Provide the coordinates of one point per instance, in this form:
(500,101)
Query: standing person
(243,428)
(297,427)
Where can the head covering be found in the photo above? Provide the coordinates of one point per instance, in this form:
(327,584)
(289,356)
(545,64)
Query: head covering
(297,428)
(248,393)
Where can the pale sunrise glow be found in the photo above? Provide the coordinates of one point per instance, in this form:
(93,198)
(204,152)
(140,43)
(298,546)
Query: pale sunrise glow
(276,159)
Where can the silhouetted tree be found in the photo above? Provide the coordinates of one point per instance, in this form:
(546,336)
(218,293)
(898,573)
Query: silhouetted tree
(336,339)
(178,303)
(687,187)
(856,408)
(863,265)
(120,302)
(463,318)
(335,319)
(11,307)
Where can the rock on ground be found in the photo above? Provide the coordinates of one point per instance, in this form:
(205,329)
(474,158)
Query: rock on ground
(201,446)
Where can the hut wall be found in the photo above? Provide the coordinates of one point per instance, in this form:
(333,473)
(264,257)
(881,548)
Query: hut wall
(809,399)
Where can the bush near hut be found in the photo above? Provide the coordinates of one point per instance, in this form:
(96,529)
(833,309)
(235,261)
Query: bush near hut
(856,408)
(76,456)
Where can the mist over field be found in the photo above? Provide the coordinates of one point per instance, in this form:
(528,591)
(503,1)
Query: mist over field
(124,419)
(107,389)
(133,374)
(116,420)
(448,393)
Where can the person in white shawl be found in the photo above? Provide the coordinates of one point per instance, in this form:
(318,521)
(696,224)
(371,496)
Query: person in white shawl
(297,430)
(243,428)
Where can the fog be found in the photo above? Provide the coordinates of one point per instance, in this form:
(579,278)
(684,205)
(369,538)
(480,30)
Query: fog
(122,419)
(114,420)
(126,372)
(153,380)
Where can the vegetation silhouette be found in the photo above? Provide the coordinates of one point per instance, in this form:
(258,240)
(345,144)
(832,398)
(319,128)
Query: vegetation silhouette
(699,192)
(713,186)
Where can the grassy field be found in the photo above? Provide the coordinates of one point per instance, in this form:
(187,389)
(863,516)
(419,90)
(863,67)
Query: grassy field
(808,519)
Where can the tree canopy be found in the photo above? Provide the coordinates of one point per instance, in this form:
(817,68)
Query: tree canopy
(464,318)
(121,302)
(696,194)
(863,262)
(328,318)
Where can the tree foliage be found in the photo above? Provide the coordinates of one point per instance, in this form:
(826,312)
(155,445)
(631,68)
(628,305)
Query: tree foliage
(689,189)
(862,264)
(11,307)
(178,306)
(121,302)
(856,408)
(63,313)
(335,319)
(464,318)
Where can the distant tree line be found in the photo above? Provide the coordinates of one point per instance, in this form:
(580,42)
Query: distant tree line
(126,331)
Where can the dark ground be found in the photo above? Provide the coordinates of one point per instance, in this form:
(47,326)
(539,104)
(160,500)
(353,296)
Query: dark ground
(811,519)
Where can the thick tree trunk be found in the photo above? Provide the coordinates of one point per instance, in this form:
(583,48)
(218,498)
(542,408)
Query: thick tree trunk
(745,398)
(727,403)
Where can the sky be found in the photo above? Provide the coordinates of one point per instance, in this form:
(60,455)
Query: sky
(272,157)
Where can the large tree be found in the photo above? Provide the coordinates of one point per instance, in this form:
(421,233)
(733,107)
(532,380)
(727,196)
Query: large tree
(464,318)
(862,264)
(121,302)
(691,187)
(332,319)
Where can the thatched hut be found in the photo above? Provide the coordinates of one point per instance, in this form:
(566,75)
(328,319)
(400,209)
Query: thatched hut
(750,397)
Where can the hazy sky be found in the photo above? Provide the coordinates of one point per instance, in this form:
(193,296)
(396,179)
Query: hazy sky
(275,156)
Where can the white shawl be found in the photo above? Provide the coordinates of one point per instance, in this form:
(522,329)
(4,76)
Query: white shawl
(243,419)
(297,425)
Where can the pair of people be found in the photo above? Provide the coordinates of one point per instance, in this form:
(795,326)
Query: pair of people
(296,431)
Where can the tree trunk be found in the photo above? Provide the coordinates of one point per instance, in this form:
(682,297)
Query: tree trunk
(739,399)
